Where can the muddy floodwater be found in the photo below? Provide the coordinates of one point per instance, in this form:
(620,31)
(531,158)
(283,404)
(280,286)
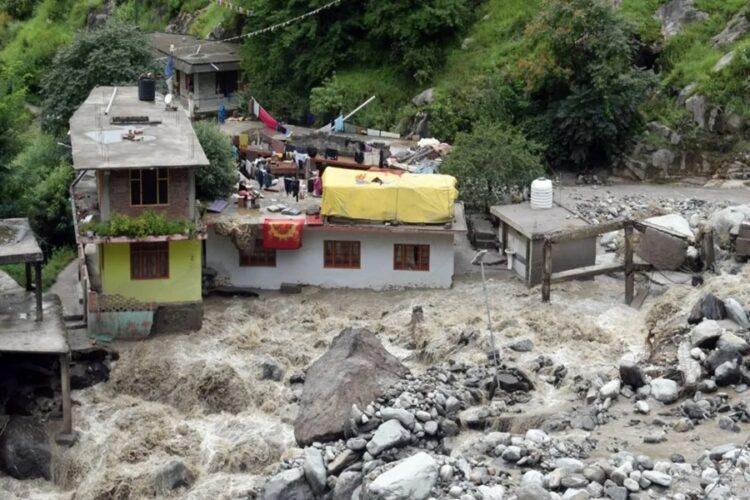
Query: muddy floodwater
(198,397)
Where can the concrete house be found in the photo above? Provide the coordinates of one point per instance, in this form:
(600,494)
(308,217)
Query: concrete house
(135,157)
(521,233)
(334,251)
(207,72)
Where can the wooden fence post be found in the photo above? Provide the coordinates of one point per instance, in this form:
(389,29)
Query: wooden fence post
(547,274)
(629,273)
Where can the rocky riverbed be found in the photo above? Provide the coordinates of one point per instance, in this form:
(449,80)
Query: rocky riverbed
(592,398)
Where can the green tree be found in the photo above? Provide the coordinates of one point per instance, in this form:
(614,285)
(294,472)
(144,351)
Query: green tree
(411,36)
(30,167)
(490,161)
(581,81)
(327,100)
(18,9)
(50,215)
(115,54)
(12,121)
(216,180)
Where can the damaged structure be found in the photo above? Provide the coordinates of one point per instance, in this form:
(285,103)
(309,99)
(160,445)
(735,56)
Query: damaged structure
(33,336)
(136,160)
(521,234)
(373,229)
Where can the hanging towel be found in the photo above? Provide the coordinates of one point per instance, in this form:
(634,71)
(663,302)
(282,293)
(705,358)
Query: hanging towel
(282,234)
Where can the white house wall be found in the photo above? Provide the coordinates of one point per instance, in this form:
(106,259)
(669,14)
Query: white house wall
(305,266)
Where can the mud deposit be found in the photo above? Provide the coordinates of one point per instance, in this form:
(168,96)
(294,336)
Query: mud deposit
(199,398)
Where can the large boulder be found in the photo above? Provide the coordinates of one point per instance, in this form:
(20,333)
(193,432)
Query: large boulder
(664,390)
(721,356)
(733,31)
(708,307)
(315,469)
(662,250)
(389,435)
(356,369)
(676,14)
(174,474)
(288,485)
(411,479)
(24,449)
(737,313)
(347,482)
(705,334)
(729,341)
(726,222)
(631,374)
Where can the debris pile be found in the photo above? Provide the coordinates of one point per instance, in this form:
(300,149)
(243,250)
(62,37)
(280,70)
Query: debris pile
(426,158)
(598,209)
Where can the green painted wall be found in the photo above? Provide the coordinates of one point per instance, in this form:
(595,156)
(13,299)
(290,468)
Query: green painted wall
(183,284)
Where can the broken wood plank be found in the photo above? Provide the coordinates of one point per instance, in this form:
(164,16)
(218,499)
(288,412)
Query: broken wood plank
(587,272)
(547,272)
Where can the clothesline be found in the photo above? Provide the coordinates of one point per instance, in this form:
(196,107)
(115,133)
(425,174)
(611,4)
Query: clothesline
(263,30)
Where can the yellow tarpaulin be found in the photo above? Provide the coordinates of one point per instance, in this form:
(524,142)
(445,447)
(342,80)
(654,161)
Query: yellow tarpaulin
(387,196)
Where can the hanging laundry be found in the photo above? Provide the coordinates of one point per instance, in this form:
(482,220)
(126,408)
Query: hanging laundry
(282,234)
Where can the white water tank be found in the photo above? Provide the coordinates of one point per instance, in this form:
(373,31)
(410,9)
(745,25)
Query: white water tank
(541,194)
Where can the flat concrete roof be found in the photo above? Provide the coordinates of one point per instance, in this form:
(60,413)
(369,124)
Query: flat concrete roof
(232,214)
(18,243)
(19,330)
(169,141)
(211,57)
(535,223)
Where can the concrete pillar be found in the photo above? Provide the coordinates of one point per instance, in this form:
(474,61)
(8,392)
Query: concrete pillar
(38,291)
(104,200)
(28,275)
(66,436)
(65,383)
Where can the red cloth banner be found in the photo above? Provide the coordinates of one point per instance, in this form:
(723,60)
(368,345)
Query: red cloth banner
(282,234)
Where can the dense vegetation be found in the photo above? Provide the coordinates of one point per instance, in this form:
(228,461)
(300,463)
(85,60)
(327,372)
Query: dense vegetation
(571,81)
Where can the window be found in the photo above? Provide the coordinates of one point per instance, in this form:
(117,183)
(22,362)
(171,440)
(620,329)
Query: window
(149,261)
(259,257)
(341,254)
(149,186)
(411,257)
(226,82)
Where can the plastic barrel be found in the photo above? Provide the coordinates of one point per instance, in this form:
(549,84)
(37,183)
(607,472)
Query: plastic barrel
(541,194)
(146,89)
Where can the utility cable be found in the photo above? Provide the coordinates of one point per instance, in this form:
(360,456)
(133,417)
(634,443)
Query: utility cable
(267,29)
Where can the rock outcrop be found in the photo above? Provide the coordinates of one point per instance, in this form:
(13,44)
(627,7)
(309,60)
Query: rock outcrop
(356,369)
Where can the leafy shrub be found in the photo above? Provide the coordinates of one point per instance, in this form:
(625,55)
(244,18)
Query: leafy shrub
(29,168)
(147,224)
(490,161)
(50,212)
(12,120)
(218,178)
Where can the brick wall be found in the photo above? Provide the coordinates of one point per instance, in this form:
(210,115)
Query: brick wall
(179,195)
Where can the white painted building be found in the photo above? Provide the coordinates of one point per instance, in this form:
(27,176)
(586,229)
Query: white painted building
(344,256)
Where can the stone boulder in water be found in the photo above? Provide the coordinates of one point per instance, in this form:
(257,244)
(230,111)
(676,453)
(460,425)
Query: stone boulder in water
(24,449)
(356,369)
